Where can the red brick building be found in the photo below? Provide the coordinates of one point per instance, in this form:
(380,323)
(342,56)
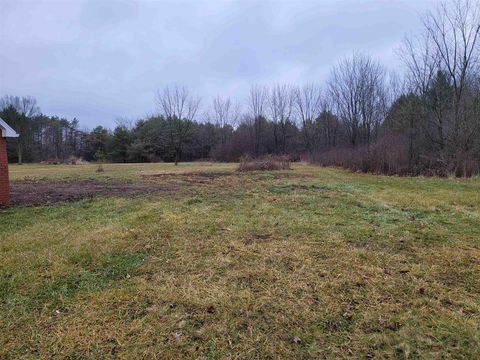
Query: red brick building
(5,131)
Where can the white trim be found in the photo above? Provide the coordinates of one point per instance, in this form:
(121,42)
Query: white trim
(6,130)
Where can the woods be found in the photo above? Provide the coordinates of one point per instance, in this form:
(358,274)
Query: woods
(423,119)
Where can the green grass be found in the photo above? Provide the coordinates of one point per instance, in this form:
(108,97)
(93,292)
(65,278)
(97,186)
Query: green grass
(237,266)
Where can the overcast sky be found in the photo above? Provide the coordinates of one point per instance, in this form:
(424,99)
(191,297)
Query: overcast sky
(98,60)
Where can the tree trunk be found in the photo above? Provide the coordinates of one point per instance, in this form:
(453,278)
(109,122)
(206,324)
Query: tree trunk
(19,153)
(177,156)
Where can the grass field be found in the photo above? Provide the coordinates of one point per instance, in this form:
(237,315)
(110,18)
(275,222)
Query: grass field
(307,263)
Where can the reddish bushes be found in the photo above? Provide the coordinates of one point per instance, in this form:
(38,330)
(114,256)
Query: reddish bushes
(264,163)
(387,156)
(392,155)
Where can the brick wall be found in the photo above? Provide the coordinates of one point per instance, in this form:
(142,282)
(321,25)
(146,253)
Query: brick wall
(4,187)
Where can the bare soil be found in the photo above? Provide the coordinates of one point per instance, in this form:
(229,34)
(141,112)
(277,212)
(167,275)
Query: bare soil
(191,177)
(41,192)
(38,192)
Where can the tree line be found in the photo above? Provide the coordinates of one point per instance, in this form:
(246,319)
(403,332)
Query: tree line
(424,121)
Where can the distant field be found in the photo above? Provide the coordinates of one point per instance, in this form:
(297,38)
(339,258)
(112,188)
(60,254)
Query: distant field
(199,261)
(116,171)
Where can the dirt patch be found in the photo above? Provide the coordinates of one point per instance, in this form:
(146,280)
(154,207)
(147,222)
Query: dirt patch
(257,238)
(37,192)
(41,192)
(209,177)
(192,177)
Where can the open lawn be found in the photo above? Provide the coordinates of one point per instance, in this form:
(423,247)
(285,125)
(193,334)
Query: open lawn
(203,262)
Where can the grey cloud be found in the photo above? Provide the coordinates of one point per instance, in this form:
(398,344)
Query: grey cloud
(99,60)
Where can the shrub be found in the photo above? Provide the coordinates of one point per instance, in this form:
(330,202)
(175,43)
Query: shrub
(73,160)
(264,163)
(390,155)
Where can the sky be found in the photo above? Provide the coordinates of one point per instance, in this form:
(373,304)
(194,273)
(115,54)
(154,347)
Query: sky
(101,60)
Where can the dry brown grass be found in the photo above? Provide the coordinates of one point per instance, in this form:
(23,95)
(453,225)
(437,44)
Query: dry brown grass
(310,263)
(264,163)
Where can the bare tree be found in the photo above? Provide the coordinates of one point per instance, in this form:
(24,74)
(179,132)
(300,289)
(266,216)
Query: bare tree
(26,105)
(455,29)
(308,107)
(281,106)
(257,103)
(20,110)
(443,68)
(327,123)
(421,60)
(179,108)
(357,85)
(175,101)
(225,113)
